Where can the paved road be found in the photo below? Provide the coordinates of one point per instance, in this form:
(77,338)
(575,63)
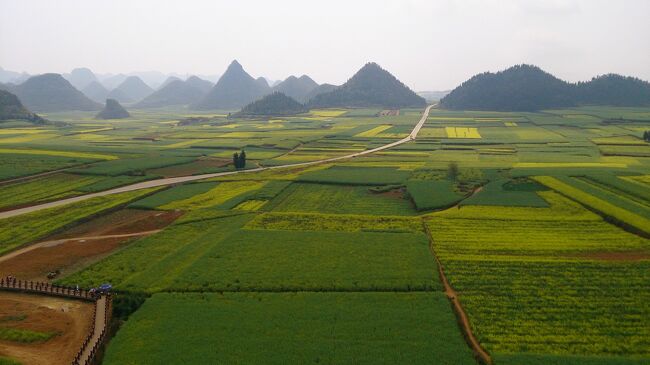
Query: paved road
(182,179)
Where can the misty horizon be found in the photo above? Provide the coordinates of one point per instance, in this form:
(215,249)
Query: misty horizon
(427,45)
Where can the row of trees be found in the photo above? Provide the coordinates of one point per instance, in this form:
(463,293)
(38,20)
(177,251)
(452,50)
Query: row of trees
(239,159)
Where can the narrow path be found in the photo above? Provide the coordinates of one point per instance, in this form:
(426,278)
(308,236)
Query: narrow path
(182,179)
(89,351)
(479,352)
(52,243)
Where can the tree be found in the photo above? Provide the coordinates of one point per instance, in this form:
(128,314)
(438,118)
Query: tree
(452,171)
(235,160)
(646,136)
(242,159)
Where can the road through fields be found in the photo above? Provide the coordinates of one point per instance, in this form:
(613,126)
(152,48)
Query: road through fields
(181,179)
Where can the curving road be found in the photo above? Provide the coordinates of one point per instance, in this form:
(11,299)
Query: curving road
(181,179)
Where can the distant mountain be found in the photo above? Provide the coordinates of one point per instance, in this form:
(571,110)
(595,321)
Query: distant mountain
(296,87)
(433,95)
(528,88)
(320,89)
(12,108)
(131,89)
(274,104)
(95,91)
(152,78)
(615,90)
(168,81)
(234,89)
(177,92)
(50,93)
(113,81)
(7,76)
(371,86)
(199,83)
(112,110)
(80,77)
(262,82)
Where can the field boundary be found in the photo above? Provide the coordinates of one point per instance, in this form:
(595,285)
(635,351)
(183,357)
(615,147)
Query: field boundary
(479,353)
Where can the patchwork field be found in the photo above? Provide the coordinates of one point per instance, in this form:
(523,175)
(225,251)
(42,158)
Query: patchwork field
(539,221)
(563,286)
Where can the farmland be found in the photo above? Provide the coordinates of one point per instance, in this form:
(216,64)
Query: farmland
(314,328)
(539,222)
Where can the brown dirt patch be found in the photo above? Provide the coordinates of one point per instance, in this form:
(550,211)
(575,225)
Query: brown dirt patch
(70,318)
(617,256)
(393,194)
(202,165)
(122,222)
(68,256)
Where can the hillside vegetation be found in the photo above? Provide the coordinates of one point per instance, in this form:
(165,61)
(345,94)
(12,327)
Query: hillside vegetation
(529,88)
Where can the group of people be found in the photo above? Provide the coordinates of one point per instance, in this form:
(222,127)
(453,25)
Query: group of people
(10,279)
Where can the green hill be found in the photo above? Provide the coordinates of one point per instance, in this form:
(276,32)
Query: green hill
(371,86)
(12,108)
(112,110)
(51,93)
(234,89)
(615,90)
(274,104)
(528,88)
(297,88)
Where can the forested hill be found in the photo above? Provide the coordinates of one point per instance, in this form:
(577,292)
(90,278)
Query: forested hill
(274,104)
(12,108)
(528,88)
(371,86)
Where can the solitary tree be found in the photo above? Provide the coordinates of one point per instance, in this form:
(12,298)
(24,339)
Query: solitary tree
(452,171)
(235,160)
(646,136)
(242,159)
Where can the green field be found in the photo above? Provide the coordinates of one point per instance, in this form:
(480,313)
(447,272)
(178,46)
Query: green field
(318,198)
(295,328)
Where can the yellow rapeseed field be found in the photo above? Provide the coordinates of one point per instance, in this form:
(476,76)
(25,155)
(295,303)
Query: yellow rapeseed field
(375,131)
(462,132)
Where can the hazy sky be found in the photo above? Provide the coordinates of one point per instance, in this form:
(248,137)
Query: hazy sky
(428,44)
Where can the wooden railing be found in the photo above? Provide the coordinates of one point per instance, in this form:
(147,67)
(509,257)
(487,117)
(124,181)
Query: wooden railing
(93,342)
(45,288)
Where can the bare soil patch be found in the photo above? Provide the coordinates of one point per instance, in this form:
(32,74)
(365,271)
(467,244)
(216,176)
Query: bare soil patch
(123,221)
(71,319)
(85,244)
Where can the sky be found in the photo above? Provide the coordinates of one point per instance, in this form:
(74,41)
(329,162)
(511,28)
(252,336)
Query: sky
(428,44)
